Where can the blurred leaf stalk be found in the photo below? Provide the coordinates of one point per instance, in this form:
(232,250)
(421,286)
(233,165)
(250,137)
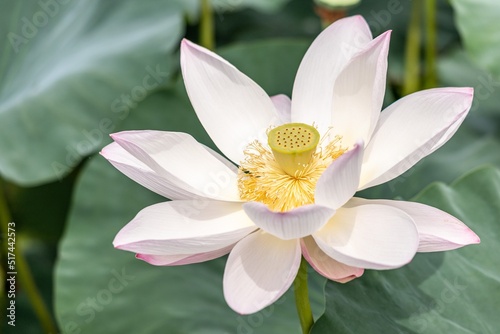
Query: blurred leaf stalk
(413,80)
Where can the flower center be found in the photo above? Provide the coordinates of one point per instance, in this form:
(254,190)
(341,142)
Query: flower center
(293,146)
(284,173)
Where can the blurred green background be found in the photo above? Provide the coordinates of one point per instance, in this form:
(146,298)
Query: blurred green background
(74,71)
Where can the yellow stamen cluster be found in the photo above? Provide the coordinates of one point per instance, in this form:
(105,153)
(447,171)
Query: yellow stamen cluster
(261,179)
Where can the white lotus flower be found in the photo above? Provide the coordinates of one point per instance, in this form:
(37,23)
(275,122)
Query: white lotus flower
(283,202)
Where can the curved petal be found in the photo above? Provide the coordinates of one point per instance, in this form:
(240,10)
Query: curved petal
(232,108)
(182,259)
(283,106)
(296,223)
(183,161)
(259,270)
(325,265)
(322,63)
(369,236)
(219,157)
(340,180)
(142,174)
(450,131)
(438,230)
(359,91)
(184,227)
(410,129)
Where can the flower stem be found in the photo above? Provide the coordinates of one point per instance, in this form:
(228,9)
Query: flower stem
(302,298)
(23,270)
(430,78)
(412,50)
(207,33)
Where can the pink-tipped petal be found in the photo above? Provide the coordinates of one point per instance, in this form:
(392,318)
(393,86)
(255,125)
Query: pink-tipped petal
(359,91)
(340,180)
(410,129)
(325,265)
(296,223)
(446,135)
(183,161)
(259,270)
(438,230)
(322,63)
(145,176)
(184,227)
(182,259)
(283,106)
(369,236)
(232,108)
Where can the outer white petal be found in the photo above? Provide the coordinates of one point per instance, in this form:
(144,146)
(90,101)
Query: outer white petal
(183,161)
(184,228)
(410,129)
(145,176)
(369,236)
(438,230)
(259,270)
(296,223)
(340,180)
(219,157)
(232,108)
(182,259)
(283,106)
(327,266)
(322,63)
(359,91)
(446,135)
